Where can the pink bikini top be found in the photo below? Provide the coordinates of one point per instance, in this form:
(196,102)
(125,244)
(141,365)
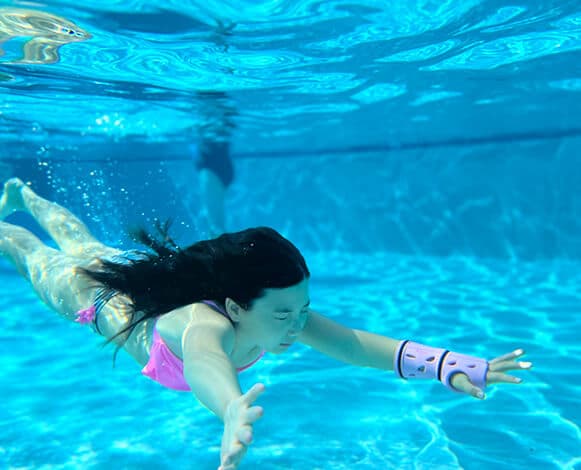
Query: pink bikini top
(167,369)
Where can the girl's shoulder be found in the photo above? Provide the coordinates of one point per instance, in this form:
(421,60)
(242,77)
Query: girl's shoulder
(190,315)
(195,320)
(208,329)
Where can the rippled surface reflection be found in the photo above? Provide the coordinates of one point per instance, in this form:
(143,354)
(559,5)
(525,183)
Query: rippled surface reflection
(385,72)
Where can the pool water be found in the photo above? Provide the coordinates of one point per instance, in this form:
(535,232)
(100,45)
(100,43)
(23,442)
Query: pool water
(424,155)
(65,406)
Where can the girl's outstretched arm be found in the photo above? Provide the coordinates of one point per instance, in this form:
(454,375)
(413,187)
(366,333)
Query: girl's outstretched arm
(206,346)
(461,373)
(356,347)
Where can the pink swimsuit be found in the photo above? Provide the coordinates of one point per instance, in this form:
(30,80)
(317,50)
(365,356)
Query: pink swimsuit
(163,366)
(167,369)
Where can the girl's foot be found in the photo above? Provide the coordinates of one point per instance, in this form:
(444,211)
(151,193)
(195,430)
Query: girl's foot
(11,199)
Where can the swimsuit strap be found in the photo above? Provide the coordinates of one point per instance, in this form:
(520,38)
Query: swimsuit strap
(214,306)
(102,296)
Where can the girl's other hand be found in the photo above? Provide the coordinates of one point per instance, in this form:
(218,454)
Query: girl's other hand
(238,420)
(496,374)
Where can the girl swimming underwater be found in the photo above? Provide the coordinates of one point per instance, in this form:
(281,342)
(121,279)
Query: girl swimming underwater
(194,317)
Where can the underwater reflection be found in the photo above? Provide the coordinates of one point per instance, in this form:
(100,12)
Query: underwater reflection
(46,33)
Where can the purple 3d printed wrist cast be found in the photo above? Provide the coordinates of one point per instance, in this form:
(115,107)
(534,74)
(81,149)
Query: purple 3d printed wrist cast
(414,360)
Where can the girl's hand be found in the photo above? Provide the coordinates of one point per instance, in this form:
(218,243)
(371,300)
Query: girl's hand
(238,420)
(496,374)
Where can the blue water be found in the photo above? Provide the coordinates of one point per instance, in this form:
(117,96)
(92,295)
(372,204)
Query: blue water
(66,407)
(424,155)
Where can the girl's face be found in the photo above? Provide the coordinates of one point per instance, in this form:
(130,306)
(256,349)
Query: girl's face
(276,319)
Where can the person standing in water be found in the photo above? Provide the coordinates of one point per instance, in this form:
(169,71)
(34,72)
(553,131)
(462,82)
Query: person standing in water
(213,158)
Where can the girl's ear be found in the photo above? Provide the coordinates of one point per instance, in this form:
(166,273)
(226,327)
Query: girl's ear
(233,310)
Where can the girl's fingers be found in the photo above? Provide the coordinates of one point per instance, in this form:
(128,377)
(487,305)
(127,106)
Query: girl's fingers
(500,377)
(508,357)
(254,414)
(251,395)
(509,365)
(244,435)
(461,383)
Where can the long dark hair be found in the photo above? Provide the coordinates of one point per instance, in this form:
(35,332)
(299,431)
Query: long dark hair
(238,265)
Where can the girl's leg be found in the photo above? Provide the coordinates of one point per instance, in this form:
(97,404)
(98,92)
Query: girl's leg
(69,233)
(51,272)
(55,279)
(54,274)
